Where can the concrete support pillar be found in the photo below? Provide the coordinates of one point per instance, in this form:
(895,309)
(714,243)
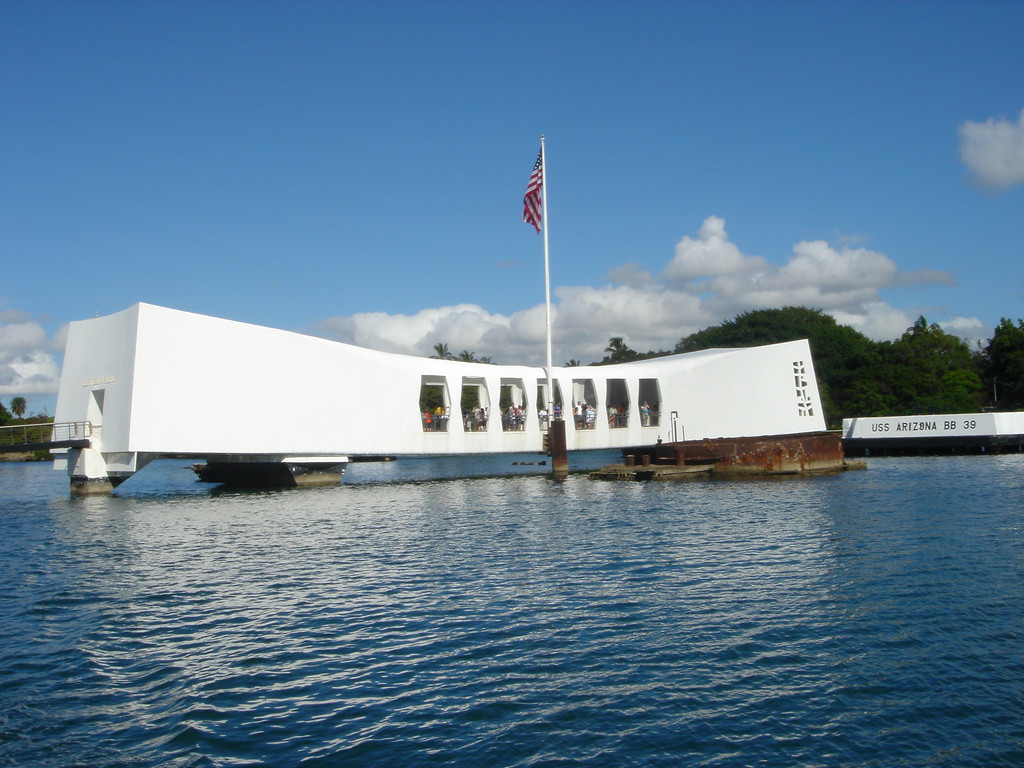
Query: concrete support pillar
(87,471)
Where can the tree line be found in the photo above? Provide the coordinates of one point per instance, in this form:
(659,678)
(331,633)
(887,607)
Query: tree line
(18,407)
(925,371)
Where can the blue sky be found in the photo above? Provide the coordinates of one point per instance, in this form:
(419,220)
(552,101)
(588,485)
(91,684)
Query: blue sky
(356,170)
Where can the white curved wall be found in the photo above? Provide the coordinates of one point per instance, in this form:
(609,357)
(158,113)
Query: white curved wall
(177,382)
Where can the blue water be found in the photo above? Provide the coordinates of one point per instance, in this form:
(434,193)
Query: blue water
(870,618)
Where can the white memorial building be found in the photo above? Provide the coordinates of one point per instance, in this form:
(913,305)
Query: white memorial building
(152,382)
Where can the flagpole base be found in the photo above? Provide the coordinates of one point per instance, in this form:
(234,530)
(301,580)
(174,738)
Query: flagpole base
(559,454)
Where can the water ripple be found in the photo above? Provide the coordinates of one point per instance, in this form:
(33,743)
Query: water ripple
(864,619)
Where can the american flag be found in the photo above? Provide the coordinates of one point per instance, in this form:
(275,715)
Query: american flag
(531,201)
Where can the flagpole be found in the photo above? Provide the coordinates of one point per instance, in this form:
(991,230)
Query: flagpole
(547,278)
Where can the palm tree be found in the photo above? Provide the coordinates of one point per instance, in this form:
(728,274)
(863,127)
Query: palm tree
(618,351)
(18,406)
(615,345)
(573,363)
(467,357)
(441,352)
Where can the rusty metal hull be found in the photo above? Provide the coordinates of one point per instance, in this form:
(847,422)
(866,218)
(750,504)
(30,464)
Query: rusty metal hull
(763,455)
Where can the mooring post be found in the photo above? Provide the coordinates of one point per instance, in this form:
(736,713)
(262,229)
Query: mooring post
(559,454)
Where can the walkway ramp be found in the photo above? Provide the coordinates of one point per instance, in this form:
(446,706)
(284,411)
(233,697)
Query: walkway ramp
(25,438)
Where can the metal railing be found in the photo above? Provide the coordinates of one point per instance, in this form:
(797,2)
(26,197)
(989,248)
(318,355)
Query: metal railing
(44,434)
(474,422)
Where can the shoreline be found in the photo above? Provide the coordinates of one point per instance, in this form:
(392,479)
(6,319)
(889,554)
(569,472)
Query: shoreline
(21,457)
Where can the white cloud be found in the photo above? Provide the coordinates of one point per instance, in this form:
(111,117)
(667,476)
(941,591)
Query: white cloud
(35,373)
(708,255)
(830,271)
(28,363)
(462,326)
(970,329)
(875,319)
(708,280)
(648,318)
(21,336)
(512,338)
(993,151)
(817,275)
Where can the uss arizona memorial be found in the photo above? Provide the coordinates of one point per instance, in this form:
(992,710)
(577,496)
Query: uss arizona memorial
(152,382)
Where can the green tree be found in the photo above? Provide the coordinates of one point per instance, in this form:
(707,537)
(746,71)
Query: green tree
(431,397)
(1003,362)
(866,397)
(18,406)
(470,399)
(927,370)
(618,351)
(841,354)
(465,356)
(441,352)
(5,416)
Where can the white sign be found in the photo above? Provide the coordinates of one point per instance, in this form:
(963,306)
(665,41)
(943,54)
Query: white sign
(945,425)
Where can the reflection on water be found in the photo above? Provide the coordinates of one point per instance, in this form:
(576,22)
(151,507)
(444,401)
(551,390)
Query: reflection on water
(862,618)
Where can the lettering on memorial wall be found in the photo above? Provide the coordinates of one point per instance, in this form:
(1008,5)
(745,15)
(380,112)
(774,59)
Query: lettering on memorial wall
(803,398)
